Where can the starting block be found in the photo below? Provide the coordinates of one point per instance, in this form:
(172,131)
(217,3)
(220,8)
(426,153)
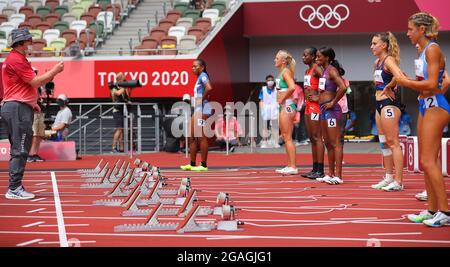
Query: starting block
(190,225)
(222,199)
(152,223)
(228,222)
(96,169)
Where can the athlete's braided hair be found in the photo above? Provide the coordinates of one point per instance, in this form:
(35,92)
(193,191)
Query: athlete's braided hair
(427,20)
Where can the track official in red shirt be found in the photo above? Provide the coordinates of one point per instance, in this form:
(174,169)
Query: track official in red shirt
(20,85)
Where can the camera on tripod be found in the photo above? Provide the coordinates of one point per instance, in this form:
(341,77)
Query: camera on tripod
(125,84)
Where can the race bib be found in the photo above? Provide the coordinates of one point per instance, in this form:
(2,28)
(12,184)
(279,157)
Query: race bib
(331,123)
(431,102)
(389,113)
(314,116)
(307,80)
(277,84)
(418,66)
(377,76)
(289,109)
(322,82)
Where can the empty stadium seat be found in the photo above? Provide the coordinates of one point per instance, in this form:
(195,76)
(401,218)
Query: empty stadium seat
(103,3)
(34,19)
(197,32)
(37,34)
(177,31)
(52,4)
(17,4)
(38,45)
(78,25)
(9,10)
(3,35)
(150,43)
(43,26)
(3,4)
(173,15)
(192,13)
(188,44)
(141,50)
(52,18)
(204,23)
(27,10)
(116,11)
(220,5)
(185,22)
(88,17)
(77,10)
(182,7)
(34,4)
(26,25)
(94,10)
(58,43)
(166,24)
(99,28)
(86,3)
(69,35)
(17,18)
(43,11)
(213,14)
(69,17)
(61,25)
(88,36)
(50,35)
(7,27)
(107,18)
(61,10)
(3,18)
(3,44)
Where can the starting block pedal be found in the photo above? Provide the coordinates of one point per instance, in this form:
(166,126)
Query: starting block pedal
(228,222)
(189,203)
(222,199)
(152,224)
(190,225)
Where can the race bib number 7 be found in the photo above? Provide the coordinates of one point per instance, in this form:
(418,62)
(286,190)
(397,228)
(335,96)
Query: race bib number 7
(314,116)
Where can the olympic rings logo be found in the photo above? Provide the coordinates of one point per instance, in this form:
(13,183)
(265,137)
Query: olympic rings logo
(324,19)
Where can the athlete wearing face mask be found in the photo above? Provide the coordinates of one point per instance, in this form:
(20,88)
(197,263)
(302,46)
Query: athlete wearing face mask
(63,118)
(269,108)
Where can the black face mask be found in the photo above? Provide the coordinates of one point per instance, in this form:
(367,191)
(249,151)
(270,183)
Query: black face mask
(61,103)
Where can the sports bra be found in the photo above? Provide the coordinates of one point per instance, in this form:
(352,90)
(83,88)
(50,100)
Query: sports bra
(380,76)
(421,67)
(310,81)
(325,83)
(280,83)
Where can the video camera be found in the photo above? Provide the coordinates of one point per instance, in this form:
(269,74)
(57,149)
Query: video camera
(125,84)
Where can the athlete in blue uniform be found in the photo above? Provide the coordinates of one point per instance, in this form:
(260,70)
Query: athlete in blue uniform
(202,110)
(434,114)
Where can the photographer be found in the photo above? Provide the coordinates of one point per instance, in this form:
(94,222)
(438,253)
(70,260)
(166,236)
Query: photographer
(119,95)
(63,118)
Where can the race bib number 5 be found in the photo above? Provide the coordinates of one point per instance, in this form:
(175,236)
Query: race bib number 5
(389,113)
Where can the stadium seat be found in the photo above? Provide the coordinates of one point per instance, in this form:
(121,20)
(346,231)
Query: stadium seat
(166,24)
(17,4)
(34,19)
(34,4)
(17,18)
(173,15)
(3,18)
(94,10)
(116,11)
(191,13)
(69,17)
(27,10)
(77,10)
(78,25)
(204,23)
(185,22)
(43,26)
(88,17)
(37,34)
(86,3)
(88,36)
(43,11)
(69,35)
(3,4)
(58,43)
(188,44)
(182,7)
(26,25)
(99,28)
(107,18)
(197,32)
(61,10)
(9,10)
(3,43)
(7,27)
(176,31)
(158,33)
(38,45)
(220,5)
(3,35)
(52,4)
(50,35)
(141,50)
(61,25)
(150,43)
(213,14)
(103,3)
(52,18)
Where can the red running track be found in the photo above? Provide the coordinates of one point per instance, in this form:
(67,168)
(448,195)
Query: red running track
(276,210)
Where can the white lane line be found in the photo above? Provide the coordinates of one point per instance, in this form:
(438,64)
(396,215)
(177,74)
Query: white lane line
(68,211)
(32,224)
(67,225)
(408,233)
(345,219)
(59,214)
(29,242)
(41,184)
(36,210)
(40,190)
(69,242)
(38,199)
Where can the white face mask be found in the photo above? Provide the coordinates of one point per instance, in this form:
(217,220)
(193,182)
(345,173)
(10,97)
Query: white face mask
(29,48)
(270,83)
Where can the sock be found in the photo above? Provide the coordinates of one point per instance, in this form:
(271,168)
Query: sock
(315,167)
(446,213)
(320,167)
(192,163)
(203,164)
(431,212)
(389,176)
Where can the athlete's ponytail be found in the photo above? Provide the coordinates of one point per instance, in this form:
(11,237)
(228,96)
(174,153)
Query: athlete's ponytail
(393,48)
(329,52)
(427,20)
(203,64)
(290,61)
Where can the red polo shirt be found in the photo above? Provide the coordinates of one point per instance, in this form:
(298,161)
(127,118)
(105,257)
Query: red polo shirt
(16,75)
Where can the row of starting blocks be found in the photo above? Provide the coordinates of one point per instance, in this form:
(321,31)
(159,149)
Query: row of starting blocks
(411,158)
(143,191)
